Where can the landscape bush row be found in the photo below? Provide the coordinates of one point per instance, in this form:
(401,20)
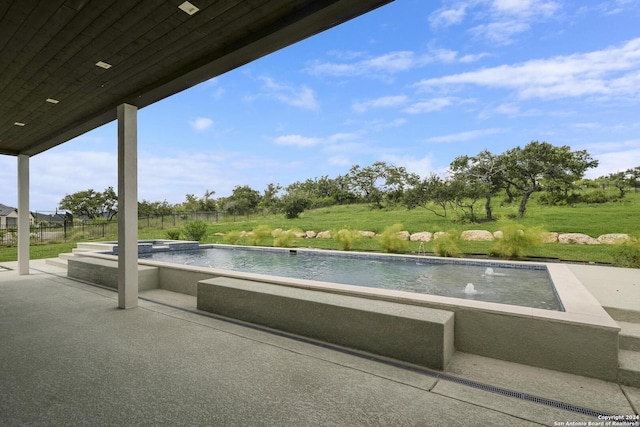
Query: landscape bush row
(513,241)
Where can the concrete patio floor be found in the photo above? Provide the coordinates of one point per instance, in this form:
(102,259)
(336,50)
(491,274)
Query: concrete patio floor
(69,356)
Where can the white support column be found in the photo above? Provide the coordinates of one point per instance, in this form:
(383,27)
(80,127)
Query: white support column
(23,214)
(127,206)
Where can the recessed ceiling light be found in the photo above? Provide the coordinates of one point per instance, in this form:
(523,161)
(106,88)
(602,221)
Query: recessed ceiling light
(104,65)
(188,8)
(18,123)
(52,101)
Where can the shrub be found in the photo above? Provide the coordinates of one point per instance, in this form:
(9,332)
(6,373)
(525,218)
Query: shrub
(195,230)
(293,206)
(173,234)
(258,234)
(347,238)
(322,202)
(597,196)
(284,239)
(232,237)
(448,245)
(627,254)
(514,241)
(78,237)
(390,240)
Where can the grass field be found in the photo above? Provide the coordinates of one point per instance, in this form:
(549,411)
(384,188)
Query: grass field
(594,220)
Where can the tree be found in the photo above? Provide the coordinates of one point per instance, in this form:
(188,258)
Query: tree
(269,199)
(428,192)
(342,193)
(365,182)
(465,194)
(147,208)
(109,202)
(207,202)
(482,175)
(539,165)
(192,203)
(379,182)
(624,179)
(243,200)
(396,181)
(91,204)
(293,205)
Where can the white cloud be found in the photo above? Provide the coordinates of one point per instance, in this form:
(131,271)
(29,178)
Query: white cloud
(297,140)
(509,109)
(466,59)
(168,177)
(300,97)
(389,63)
(339,160)
(613,156)
(382,102)
(445,17)
(183,173)
(342,137)
(614,161)
(611,7)
(422,166)
(430,105)
(464,136)
(445,56)
(501,20)
(525,8)
(336,139)
(387,124)
(346,147)
(611,72)
(500,32)
(201,123)
(60,173)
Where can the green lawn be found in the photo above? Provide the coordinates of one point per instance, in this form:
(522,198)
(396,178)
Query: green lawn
(594,220)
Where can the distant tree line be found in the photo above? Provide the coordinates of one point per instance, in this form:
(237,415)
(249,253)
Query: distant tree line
(469,186)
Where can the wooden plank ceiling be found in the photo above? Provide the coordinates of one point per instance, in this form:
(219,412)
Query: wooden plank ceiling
(51,89)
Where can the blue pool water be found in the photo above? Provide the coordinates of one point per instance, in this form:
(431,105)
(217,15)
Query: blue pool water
(528,286)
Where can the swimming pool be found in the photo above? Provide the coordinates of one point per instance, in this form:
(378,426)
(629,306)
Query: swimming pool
(533,336)
(505,283)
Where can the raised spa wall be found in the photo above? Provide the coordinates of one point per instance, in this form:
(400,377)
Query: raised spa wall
(581,340)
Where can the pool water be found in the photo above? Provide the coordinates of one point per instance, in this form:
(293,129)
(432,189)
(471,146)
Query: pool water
(504,283)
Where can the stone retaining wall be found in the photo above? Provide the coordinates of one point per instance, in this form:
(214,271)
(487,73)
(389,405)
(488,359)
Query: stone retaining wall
(479,235)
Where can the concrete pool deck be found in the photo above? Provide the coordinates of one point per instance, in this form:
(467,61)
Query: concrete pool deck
(70,357)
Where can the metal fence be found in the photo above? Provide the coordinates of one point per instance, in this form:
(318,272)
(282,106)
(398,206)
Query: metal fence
(48,231)
(45,232)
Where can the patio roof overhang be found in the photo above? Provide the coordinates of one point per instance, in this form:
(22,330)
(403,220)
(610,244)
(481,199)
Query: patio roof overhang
(67,64)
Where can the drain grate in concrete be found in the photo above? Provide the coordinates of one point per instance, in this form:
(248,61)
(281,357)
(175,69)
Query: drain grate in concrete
(522,396)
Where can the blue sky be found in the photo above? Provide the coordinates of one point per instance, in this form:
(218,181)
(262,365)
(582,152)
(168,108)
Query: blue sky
(415,83)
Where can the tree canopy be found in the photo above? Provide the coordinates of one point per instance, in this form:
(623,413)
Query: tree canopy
(518,172)
(540,165)
(91,204)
